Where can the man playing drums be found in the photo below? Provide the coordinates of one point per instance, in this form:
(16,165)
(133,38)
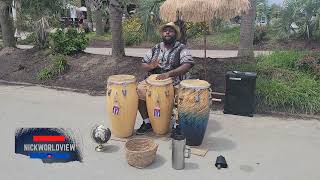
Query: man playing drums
(170,59)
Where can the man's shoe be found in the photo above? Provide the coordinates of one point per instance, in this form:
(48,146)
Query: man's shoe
(144,128)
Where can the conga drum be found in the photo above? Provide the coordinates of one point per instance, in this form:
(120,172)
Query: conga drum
(193,109)
(122,104)
(159,99)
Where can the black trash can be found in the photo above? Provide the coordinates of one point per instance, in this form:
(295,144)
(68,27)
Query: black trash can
(240,93)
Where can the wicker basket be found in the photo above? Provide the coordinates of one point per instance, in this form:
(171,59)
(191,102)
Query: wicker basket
(140,152)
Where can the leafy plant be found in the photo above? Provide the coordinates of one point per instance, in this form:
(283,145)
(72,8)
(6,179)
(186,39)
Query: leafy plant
(310,64)
(68,42)
(150,18)
(282,86)
(58,66)
(260,34)
(132,31)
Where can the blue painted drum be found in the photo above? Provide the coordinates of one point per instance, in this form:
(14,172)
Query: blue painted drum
(193,109)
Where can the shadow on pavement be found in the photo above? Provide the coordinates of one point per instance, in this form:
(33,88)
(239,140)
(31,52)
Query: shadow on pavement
(158,162)
(111,148)
(218,144)
(191,166)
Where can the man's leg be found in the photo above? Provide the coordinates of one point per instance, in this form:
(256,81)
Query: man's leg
(142,106)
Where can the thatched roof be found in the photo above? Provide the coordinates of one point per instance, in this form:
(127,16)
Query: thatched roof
(169,9)
(202,10)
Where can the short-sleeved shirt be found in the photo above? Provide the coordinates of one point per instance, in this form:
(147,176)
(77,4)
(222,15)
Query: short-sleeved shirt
(169,59)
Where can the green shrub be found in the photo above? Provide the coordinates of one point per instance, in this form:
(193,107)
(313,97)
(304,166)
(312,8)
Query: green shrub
(281,59)
(195,30)
(282,85)
(132,31)
(299,95)
(68,42)
(310,63)
(260,34)
(58,66)
(230,36)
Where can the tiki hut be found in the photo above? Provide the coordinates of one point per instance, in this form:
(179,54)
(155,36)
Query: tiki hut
(202,10)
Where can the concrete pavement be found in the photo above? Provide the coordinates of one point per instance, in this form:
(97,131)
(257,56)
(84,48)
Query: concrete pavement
(259,148)
(140,52)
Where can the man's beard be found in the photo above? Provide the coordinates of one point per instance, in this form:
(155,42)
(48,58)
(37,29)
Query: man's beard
(170,41)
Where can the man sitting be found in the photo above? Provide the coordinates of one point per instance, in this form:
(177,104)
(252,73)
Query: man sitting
(170,59)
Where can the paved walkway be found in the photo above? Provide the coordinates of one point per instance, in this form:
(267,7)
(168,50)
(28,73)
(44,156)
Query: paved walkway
(139,52)
(259,148)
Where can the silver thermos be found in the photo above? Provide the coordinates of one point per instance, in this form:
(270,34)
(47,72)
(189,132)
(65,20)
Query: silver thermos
(179,151)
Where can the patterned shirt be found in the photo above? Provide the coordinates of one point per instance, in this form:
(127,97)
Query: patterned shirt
(169,59)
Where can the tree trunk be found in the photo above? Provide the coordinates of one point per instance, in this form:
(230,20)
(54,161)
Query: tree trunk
(90,21)
(6,23)
(116,28)
(183,31)
(18,21)
(89,15)
(99,22)
(247,32)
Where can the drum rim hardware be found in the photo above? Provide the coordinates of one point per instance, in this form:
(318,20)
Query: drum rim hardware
(162,82)
(124,90)
(186,84)
(113,79)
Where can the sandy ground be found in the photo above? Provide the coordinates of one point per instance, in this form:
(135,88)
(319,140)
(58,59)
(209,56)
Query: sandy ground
(259,148)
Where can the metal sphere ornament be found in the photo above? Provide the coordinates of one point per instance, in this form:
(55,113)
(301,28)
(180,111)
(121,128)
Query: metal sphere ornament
(100,135)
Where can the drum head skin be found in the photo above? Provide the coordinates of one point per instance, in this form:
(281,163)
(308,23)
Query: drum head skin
(152,80)
(121,79)
(195,83)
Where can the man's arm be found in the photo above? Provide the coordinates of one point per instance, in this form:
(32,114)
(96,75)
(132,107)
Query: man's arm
(186,61)
(150,66)
(181,70)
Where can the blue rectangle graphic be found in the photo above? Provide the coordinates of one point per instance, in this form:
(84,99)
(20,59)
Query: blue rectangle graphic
(42,155)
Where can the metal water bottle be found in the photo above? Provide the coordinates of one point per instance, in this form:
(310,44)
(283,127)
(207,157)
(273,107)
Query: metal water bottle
(179,151)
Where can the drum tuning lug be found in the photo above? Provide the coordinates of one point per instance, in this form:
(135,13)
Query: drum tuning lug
(109,92)
(197,98)
(124,92)
(167,93)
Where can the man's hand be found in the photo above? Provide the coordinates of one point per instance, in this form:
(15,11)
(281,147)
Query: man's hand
(163,76)
(154,64)
(150,66)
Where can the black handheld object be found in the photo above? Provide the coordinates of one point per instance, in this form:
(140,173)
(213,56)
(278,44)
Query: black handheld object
(221,162)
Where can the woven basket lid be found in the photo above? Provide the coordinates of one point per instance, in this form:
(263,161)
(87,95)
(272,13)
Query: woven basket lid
(152,80)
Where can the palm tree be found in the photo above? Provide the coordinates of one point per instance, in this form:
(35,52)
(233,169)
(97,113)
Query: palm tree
(247,32)
(116,11)
(6,23)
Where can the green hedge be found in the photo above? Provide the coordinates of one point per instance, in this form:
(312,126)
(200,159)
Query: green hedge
(283,86)
(68,42)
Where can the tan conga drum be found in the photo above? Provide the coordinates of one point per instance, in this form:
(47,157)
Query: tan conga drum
(193,109)
(122,104)
(159,99)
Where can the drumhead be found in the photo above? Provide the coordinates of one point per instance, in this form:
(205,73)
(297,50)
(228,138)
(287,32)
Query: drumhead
(121,79)
(195,83)
(152,80)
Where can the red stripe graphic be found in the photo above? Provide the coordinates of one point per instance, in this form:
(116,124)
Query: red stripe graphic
(48,138)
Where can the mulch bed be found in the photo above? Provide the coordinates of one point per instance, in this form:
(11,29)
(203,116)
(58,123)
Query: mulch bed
(89,73)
